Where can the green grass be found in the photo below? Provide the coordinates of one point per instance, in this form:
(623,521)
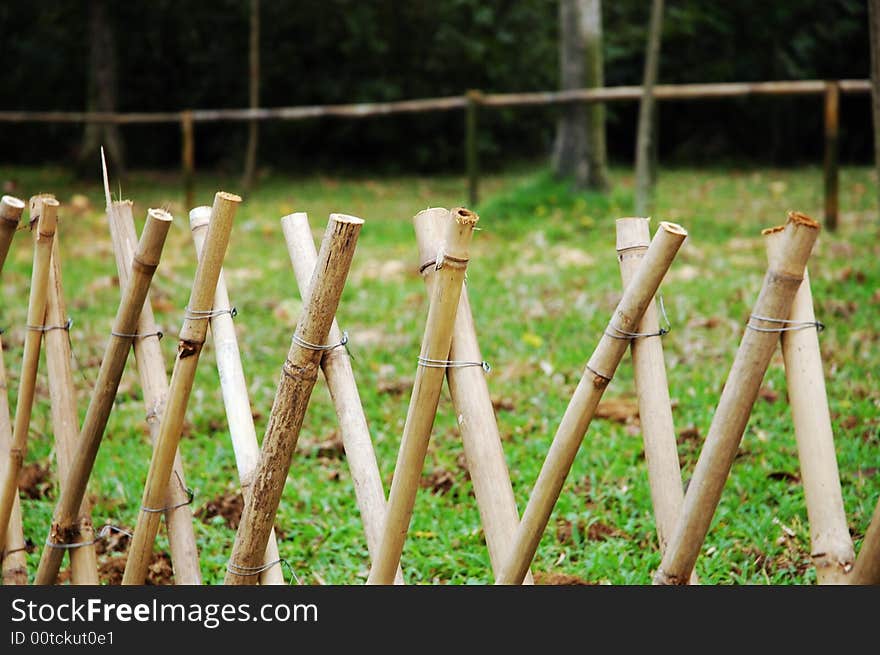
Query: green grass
(543,280)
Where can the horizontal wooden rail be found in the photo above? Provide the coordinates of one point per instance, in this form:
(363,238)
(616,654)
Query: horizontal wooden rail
(367,109)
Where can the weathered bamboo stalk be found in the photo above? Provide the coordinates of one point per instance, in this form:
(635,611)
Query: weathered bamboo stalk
(11,209)
(45,224)
(235,392)
(14,555)
(64,524)
(451,262)
(832,546)
(154,385)
(298,376)
(473,405)
(336,366)
(65,418)
(191,339)
(772,308)
(652,388)
(867,567)
(598,373)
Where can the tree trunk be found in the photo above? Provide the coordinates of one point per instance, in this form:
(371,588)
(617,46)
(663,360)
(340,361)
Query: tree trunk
(647,133)
(101,94)
(580,151)
(250,159)
(874,21)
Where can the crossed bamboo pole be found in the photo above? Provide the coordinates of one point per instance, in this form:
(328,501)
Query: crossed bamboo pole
(771,310)
(154,384)
(336,365)
(652,389)
(191,339)
(14,555)
(64,521)
(45,223)
(65,418)
(235,392)
(298,376)
(450,264)
(598,373)
(831,544)
(473,404)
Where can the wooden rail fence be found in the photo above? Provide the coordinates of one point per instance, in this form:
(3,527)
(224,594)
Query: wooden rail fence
(470,103)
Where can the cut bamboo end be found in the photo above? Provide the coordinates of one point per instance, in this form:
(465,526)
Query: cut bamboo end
(48,219)
(772,230)
(11,209)
(802,219)
(346,218)
(199,217)
(673,228)
(464,216)
(228,197)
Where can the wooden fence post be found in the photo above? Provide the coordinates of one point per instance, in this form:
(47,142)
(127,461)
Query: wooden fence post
(832,173)
(474,98)
(188,158)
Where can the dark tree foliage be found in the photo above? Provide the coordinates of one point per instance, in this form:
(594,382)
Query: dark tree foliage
(193,54)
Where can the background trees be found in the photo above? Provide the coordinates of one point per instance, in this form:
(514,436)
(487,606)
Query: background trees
(330,51)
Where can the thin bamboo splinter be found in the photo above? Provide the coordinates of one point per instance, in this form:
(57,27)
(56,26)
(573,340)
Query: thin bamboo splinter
(189,347)
(154,385)
(13,551)
(235,393)
(473,406)
(336,366)
(831,544)
(298,377)
(784,276)
(65,419)
(451,263)
(598,373)
(652,388)
(45,223)
(64,523)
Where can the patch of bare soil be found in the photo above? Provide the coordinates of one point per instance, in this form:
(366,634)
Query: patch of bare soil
(543,578)
(229,506)
(35,481)
(439,481)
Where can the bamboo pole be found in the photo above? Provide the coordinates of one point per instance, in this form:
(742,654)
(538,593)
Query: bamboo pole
(235,392)
(11,209)
(832,546)
(598,373)
(473,405)
(336,366)
(45,223)
(298,376)
(65,418)
(832,148)
(191,339)
(866,570)
(14,553)
(652,388)
(759,341)
(14,556)
(154,385)
(64,524)
(451,262)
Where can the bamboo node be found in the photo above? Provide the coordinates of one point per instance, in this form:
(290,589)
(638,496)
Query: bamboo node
(448,363)
(140,266)
(296,372)
(785,325)
(188,348)
(444,258)
(617,333)
(48,328)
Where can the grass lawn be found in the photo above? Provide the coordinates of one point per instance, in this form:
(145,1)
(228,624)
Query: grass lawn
(543,280)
